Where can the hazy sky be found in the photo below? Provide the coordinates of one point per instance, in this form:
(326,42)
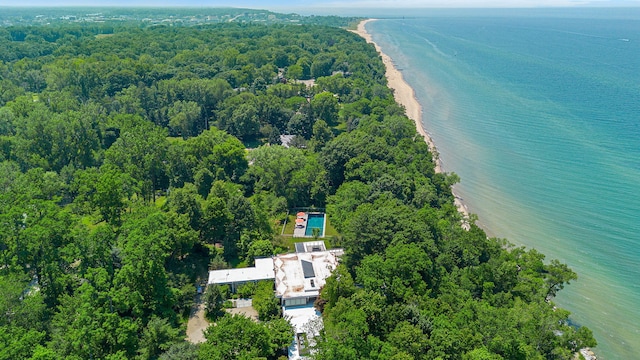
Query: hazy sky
(279,4)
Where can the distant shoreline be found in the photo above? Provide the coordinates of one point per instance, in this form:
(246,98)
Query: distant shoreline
(405,95)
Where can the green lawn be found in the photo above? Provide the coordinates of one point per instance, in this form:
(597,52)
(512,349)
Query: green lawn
(291,222)
(289,242)
(329,231)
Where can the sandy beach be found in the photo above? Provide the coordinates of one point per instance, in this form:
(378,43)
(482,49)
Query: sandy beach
(405,95)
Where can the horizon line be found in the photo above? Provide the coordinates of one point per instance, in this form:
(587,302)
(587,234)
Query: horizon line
(564,6)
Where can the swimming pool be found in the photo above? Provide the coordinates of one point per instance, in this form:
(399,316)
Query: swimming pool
(315,221)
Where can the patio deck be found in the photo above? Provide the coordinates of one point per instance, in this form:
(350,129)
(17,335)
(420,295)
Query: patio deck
(300,231)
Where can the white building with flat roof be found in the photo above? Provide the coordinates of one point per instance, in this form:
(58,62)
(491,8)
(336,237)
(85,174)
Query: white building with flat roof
(263,270)
(298,278)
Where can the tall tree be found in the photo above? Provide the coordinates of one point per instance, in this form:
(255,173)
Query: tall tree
(236,337)
(184,117)
(325,107)
(140,152)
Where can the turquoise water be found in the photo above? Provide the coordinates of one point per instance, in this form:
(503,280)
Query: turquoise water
(539,113)
(314,221)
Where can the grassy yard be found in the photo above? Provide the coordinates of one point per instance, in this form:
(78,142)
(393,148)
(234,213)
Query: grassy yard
(329,230)
(288,242)
(291,222)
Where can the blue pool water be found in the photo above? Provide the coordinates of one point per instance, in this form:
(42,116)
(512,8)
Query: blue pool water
(315,221)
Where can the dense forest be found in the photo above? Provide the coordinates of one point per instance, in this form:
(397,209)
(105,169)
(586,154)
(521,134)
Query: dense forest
(135,158)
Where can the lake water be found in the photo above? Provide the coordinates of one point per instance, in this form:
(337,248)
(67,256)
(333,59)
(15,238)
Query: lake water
(538,111)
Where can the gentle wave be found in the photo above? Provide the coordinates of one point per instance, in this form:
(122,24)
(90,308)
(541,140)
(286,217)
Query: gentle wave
(539,117)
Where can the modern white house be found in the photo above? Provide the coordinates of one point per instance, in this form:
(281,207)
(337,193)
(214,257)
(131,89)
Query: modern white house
(298,278)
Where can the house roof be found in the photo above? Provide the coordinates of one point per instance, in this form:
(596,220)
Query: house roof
(310,246)
(303,274)
(307,269)
(300,274)
(285,140)
(263,270)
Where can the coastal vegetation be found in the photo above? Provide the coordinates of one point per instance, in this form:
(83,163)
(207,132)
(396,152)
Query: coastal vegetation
(130,164)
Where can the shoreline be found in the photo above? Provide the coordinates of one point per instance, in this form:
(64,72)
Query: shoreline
(405,95)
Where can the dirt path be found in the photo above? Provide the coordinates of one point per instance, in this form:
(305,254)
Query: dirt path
(197,323)
(244,307)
